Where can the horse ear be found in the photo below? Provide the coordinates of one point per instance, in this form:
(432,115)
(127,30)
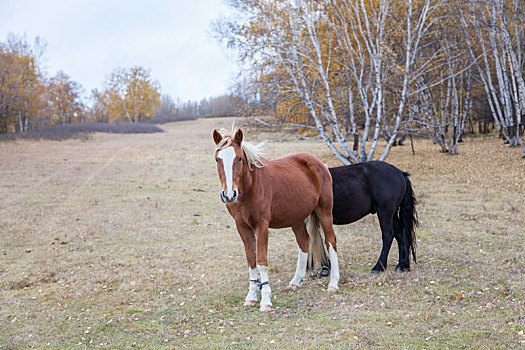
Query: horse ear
(238,136)
(217,137)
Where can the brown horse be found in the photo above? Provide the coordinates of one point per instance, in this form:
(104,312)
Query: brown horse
(261,194)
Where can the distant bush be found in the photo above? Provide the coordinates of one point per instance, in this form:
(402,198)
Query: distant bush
(62,132)
(170,118)
(217,115)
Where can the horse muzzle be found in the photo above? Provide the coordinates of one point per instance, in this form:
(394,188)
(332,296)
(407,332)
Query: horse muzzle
(226,199)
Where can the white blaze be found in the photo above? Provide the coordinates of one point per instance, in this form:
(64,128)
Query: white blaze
(228,155)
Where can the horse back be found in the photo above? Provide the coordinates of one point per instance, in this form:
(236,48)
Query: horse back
(364,188)
(298,182)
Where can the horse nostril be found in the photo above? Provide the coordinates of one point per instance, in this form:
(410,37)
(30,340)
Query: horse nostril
(226,199)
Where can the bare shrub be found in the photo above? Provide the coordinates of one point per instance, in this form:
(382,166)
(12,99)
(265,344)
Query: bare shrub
(170,118)
(63,132)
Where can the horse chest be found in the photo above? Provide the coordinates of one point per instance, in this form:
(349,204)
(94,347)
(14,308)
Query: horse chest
(275,211)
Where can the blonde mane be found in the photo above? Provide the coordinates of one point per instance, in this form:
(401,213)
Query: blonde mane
(252,152)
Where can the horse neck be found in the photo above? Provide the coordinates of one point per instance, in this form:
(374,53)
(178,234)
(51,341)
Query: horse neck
(249,178)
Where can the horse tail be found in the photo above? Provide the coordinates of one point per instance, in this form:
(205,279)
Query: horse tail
(408,216)
(317,256)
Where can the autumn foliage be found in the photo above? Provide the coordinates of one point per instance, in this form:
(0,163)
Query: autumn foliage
(130,94)
(34,105)
(31,100)
(21,84)
(360,71)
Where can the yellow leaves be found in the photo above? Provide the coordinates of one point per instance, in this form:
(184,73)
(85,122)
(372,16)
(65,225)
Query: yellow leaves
(21,85)
(28,98)
(63,96)
(131,94)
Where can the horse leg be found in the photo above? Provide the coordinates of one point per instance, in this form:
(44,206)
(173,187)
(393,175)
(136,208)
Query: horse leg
(325,218)
(248,238)
(400,236)
(261,232)
(385,222)
(303,240)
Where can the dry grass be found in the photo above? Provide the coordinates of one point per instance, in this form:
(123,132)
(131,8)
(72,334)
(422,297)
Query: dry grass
(121,241)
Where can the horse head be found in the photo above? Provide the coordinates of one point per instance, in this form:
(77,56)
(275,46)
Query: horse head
(229,157)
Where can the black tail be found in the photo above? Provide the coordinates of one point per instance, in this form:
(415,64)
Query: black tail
(408,216)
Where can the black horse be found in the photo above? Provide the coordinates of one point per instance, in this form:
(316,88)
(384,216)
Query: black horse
(378,187)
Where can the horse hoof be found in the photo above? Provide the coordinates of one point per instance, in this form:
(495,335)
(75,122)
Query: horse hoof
(292,287)
(250,303)
(402,269)
(265,308)
(375,272)
(325,271)
(331,289)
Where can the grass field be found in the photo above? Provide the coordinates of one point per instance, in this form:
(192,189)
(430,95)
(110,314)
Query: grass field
(121,241)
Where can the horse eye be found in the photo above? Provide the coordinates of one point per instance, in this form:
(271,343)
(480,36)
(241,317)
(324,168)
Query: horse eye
(240,159)
(217,160)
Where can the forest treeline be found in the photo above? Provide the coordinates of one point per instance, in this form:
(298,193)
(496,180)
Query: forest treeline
(30,99)
(362,74)
(360,71)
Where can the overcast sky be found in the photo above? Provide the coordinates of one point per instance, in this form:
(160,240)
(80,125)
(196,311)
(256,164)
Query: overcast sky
(87,39)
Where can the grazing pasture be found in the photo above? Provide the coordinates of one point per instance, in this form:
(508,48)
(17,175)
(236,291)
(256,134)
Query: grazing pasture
(119,241)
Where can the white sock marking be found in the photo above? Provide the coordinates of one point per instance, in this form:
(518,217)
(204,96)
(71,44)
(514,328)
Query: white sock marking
(300,271)
(266,292)
(228,155)
(252,292)
(334,271)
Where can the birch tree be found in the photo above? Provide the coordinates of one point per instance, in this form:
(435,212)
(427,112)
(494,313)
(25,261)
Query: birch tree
(357,72)
(362,35)
(331,63)
(499,35)
(445,102)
